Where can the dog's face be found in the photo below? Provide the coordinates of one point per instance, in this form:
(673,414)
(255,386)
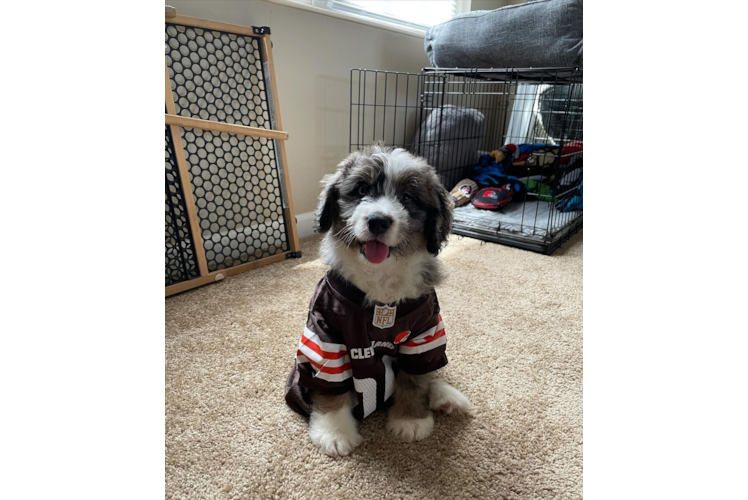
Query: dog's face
(385,202)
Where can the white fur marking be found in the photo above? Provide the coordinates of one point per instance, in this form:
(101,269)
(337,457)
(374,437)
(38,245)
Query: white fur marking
(335,432)
(443,396)
(391,281)
(411,429)
(384,206)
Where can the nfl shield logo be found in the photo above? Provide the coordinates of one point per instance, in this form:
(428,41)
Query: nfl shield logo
(384,316)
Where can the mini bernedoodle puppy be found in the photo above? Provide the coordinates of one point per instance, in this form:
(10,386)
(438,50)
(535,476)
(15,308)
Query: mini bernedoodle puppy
(374,332)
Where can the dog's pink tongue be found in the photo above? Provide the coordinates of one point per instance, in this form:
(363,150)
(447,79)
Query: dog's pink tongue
(375,251)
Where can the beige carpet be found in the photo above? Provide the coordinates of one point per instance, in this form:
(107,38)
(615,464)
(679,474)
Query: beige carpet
(514,324)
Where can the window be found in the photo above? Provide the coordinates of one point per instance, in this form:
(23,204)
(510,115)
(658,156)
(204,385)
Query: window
(418,14)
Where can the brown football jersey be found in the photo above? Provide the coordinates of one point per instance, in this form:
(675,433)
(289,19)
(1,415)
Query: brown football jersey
(347,346)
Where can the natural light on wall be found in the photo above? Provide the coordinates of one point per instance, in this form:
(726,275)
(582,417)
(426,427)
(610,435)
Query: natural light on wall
(421,14)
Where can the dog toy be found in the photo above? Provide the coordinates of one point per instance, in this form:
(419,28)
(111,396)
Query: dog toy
(569,149)
(540,157)
(494,198)
(574,202)
(463,192)
(505,152)
(544,191)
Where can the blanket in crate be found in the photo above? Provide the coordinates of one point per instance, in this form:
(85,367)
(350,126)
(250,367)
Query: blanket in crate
(533,219)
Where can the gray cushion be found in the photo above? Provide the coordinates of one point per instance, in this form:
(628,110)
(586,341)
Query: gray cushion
(541,33)
(450,137)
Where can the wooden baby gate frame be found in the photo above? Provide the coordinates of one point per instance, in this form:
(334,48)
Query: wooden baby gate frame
(229,207)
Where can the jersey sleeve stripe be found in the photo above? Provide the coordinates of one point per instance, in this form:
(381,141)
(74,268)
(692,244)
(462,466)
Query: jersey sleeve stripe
(322,367)
(331,374)
(430,331)
(404,349)
(425,340)
(314,356)
(325,349)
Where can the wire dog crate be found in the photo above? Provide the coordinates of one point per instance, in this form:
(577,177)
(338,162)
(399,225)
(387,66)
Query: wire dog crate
(456,118)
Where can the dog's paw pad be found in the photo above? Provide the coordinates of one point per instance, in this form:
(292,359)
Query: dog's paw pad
(412,429)
(448,408)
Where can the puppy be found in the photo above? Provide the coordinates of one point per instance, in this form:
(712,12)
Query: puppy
(374,332)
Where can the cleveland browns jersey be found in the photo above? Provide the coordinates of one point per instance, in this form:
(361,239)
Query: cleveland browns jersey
(347,346)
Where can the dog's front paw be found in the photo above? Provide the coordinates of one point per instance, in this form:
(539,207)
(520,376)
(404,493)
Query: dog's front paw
(334,441)
(446,398)
(411,429)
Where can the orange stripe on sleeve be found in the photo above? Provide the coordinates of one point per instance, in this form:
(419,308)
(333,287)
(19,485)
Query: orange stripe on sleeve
(325,354)
(425,340)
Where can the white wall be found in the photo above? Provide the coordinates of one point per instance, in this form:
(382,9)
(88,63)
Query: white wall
(313,56)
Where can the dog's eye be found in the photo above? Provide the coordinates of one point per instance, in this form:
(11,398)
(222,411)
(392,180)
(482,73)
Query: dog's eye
(363,190)
(406,198)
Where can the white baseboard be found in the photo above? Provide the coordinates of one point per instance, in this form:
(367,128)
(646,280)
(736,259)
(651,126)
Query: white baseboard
(305,224)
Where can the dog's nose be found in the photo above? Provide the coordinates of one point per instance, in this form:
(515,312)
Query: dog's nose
(379,223)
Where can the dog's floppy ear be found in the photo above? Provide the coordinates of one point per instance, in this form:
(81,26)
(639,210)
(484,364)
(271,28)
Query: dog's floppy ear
(438,217)
(327,210)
